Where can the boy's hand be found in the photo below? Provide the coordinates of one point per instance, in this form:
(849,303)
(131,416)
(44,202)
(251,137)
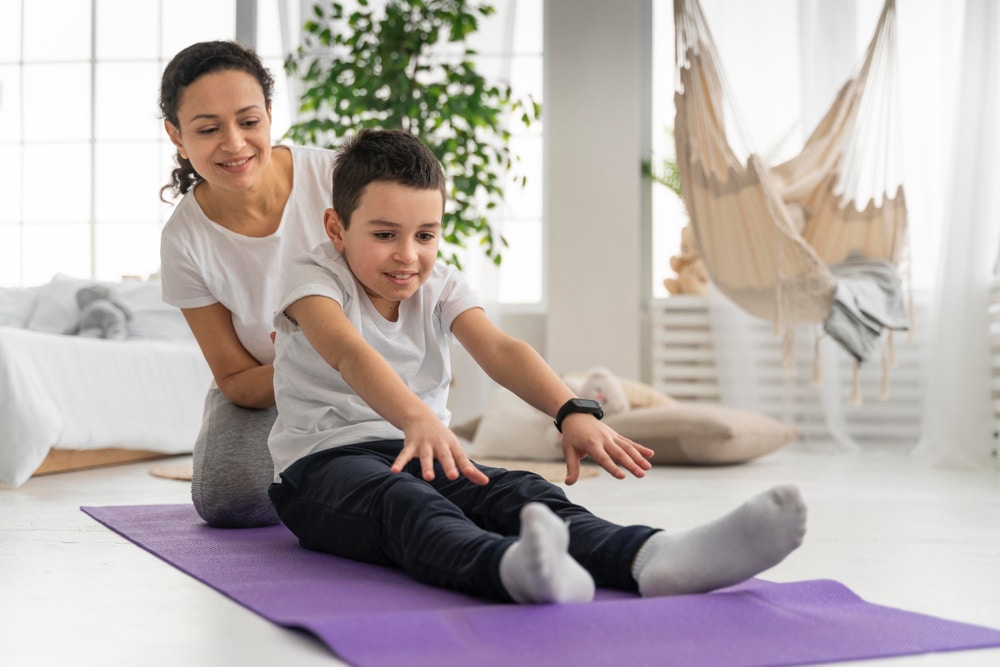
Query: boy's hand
(585,436)
(434,441)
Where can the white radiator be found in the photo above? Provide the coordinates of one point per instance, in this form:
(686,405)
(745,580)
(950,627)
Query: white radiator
(684,367)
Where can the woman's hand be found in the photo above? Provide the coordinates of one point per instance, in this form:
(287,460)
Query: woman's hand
(583,435)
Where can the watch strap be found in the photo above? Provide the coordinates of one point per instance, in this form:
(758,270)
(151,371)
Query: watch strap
(578,406)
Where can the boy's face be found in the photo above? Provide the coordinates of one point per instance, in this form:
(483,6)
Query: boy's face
(392,242)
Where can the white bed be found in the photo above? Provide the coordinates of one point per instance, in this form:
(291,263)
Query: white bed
(64,393)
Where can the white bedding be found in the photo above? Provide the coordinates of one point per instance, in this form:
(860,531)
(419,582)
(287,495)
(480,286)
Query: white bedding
(57,390)
(79,393)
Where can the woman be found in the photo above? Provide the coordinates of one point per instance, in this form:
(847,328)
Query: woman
(247,208)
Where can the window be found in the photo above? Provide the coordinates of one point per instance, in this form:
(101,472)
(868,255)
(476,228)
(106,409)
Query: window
(84,148)
(511,51)
(764,47)
(85,154)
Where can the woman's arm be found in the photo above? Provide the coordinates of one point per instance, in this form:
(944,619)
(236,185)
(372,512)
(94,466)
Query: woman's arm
(426,438)
(516,365)
(240,377)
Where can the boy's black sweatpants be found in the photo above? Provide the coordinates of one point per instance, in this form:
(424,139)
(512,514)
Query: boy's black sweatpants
(450,533)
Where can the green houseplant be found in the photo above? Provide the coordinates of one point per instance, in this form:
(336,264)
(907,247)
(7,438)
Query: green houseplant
(665,173)
(663,170)
(403,64)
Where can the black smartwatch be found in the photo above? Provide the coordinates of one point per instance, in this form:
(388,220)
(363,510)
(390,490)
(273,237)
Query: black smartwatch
(584,405)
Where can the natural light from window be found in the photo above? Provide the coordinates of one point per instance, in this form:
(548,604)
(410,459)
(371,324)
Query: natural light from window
(85,154)
(761,50)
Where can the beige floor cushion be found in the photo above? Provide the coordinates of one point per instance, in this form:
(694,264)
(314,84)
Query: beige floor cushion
(679,433)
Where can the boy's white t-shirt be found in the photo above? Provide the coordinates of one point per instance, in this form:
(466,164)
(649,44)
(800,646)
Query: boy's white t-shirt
(317,409)
(202,263)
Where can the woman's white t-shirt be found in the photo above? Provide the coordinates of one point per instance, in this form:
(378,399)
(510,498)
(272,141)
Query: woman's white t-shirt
(202,263)
(317,409)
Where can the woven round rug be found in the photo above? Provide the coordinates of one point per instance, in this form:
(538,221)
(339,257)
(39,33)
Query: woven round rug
(180,471)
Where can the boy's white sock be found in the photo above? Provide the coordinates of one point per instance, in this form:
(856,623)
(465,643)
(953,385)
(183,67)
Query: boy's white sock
(750,539)
(537,568)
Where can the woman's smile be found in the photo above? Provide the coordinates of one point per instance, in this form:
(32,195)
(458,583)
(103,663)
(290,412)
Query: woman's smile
(236,165)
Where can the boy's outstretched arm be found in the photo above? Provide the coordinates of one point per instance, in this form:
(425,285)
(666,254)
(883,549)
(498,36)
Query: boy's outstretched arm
(426,438)
(516,365)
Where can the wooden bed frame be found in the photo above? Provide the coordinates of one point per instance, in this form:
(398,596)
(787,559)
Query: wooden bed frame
(68,460)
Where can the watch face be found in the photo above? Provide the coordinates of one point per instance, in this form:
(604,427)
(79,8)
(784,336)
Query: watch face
(586,404)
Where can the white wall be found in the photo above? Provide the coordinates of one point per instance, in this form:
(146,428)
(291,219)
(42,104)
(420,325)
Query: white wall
(596,117)
(595,124)
(471,388)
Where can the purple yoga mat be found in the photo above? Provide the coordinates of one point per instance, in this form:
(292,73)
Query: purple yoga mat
(350,606)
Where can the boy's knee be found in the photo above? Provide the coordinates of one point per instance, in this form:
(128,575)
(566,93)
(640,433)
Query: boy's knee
(531,486)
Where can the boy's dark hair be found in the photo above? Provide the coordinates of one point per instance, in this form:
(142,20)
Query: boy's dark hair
(187,67)
(371,156)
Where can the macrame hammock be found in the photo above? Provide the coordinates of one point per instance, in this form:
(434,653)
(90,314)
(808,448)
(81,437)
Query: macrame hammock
(790,243)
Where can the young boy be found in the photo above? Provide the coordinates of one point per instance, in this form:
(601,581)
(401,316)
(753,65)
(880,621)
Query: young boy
(366,465)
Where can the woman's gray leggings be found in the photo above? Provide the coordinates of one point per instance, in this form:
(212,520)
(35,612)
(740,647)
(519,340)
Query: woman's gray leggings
(232,465)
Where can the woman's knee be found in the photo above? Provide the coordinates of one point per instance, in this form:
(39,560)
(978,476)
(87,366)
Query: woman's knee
(225,506)
(233,466)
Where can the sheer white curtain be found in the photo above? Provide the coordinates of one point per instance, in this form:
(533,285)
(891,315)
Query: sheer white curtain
(950,116)
(827,49)
(957,428)
(746,355)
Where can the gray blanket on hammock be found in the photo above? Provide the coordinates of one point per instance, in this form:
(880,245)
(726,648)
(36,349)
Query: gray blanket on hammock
(868,298)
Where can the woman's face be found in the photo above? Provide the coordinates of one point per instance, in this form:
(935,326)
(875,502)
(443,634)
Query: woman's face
(225,129)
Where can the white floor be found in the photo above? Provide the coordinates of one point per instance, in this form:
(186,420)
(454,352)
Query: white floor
(896,532)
